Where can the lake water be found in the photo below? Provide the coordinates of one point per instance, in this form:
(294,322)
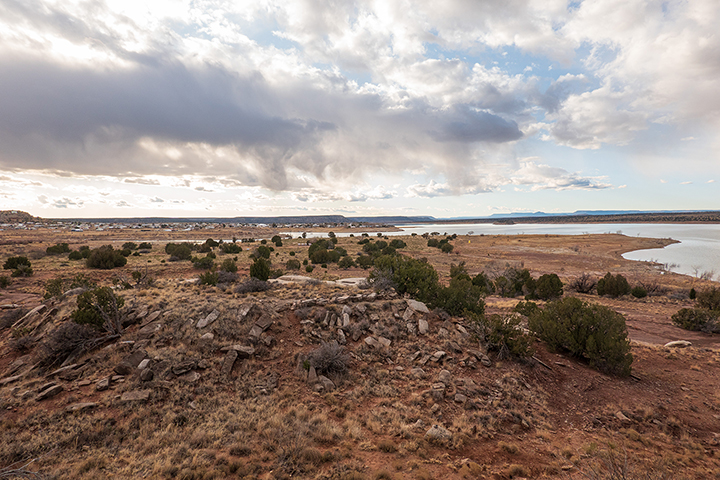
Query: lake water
(697,252)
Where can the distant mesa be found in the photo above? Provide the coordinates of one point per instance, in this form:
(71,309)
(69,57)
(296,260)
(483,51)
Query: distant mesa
(17,216)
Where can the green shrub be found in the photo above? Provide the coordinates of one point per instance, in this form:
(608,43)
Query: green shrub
(99,308)
(414,277)
(81,281)
(459,271)
(262,252)
(105,258)
(526,308)
(231,248)
(433,242)
(514,282)
(22,271)
(692,294)
(486,285)
(709,298)
(178,251)
(126,252)
(260,269)
(446,248)
(130,246)
(57,249)
(613,285)
(5,281)
(346,262)
(145,246)
(697,320)
(548,286)
(203,263)
(208,278)
(309,268)
(14,262)
(589,331)
(459,297)
(75,255)
(502,334)
(638,292)
(229,265)
(292,264)
(397,243)
(365,261)
(54,288)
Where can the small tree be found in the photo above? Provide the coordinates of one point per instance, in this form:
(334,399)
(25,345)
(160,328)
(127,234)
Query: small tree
(548,286)
(229,265)
(100,308)
(105,258)
(260,269)
(613,285)
(14,262)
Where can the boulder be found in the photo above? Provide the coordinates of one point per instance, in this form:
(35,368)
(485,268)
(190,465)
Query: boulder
(445,377)
(438,433)
(183,367)
(678,344)
(102,384)
(417,306)
(130,363)
(423,326)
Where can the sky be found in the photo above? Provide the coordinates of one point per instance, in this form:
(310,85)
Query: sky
(123,108)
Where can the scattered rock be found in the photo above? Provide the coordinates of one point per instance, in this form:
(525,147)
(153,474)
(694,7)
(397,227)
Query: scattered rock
(423,326)
(80,407)
(209,319)
(417,306)
(438,433)
(372,342)
(136,396)
(146,375)
(144,364)
(408,314)
(130,363)
(385,342)
(8,380)
(208,336)
(103,384)
(620,416)
(327,384)
(312,376)
(460,398)
(228,363)
(183,367)
(48,391)
(438,391)
(418,372)
(445,377)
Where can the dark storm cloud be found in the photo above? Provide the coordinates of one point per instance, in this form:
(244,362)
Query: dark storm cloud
(464,124)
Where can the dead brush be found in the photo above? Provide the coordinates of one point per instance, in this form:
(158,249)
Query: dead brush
(330,359)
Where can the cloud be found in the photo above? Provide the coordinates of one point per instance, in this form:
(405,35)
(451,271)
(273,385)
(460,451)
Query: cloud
(545,177)
(142,181)
(157,200)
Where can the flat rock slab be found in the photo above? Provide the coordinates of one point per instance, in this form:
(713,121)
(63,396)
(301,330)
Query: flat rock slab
(419,307)
(678,344)
(48,392)
(130,363)
(228,363)
(136,396)
(80,407)
(243,351)
(209,319)
(8,380)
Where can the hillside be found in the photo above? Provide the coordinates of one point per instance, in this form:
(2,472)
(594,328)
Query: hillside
(319,378)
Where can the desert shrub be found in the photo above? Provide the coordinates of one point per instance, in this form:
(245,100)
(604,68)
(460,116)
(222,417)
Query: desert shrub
(75,255)
(262,252)
(548,286)
(126,252)
(232,248)
(293,264)
(226,277)
(99,308)
(709,298)
(638,292)
(346,262)
(229,265)
(130,246)
(21,341)
(145,246)
(397,243)
(13,263)
(65,340)
(460,296)
(81,281)
(484,283)
(446,248)
(526,308)
(583,284)
(22,271)
(589,331)
(5,281)
(514,282)
(613,285)
(433,242)
(180,251)
(252,285)
(260,269)
(204,263)
(414,277)
(365,261)
(54,288)
(309,268)
(330,359)
(277,272)
(106,258)
(57,249)
(208,278)
(697,320)
(459,271)
(502,334)
(692,294)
